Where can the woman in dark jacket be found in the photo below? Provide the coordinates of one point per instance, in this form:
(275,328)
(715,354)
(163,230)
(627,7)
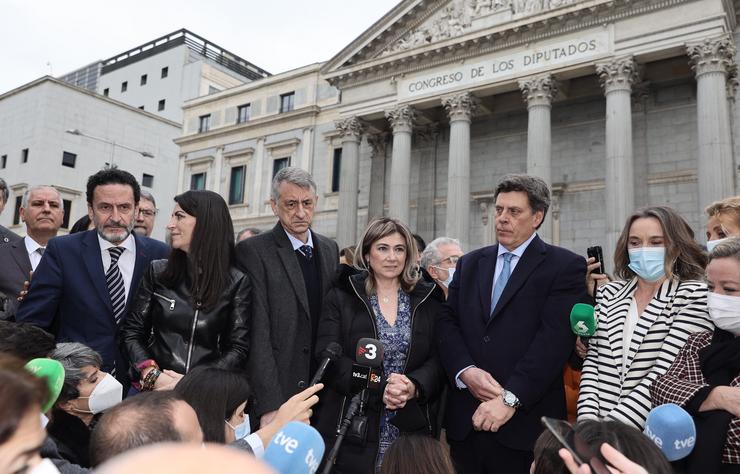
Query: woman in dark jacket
(383,302)
(194,307)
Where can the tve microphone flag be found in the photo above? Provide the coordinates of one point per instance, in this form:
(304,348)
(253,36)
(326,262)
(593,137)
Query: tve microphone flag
(295,449)
(672,429)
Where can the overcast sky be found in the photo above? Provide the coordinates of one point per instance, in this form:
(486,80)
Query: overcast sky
(54,37)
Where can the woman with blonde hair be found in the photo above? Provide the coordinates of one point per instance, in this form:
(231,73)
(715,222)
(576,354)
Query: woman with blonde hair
(384,301)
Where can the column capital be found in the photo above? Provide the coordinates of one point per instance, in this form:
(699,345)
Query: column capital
(401,118)
(460,106)
(539,90)
(712,55)
(350,129)
(427,135)
(618,74)
(377,142)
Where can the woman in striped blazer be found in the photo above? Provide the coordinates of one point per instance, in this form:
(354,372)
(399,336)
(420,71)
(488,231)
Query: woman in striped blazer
(644,319)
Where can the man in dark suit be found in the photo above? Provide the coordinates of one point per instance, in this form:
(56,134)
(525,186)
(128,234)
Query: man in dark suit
(81,289)
(42,212)
(504,335)
(291,269)
(6,235)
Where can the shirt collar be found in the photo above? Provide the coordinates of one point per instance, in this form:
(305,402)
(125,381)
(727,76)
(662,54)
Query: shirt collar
(31,245)
(297,244)
(519,251)
(128,244)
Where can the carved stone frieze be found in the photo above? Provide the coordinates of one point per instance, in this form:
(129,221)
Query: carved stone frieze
(425,136)
(350,128)
(618,74)
(712,55)
(460,106)
(378,143)
(539,90)
(401,118)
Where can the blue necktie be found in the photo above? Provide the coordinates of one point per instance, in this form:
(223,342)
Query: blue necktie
(503,278)
(307,251)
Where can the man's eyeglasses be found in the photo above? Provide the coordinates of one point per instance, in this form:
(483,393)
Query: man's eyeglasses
(451,259)
(148,212)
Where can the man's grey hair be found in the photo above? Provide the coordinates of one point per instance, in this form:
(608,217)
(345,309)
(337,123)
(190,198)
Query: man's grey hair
(538,192)
(432,255)
(291,174)
(27,194)
(148,196)
(74,356)
(730,248)
(4,191)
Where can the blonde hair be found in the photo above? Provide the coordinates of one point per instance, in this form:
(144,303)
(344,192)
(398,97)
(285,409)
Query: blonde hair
(730,205)
(376,230)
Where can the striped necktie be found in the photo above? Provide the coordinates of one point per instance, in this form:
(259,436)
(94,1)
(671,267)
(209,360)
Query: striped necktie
(116,289)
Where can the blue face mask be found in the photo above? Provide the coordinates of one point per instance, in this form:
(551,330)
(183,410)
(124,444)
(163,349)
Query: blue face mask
(648,263)
(713,243)
(450,272)
(242,430)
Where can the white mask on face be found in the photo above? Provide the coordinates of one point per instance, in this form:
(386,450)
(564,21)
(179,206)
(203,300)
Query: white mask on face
(44,467)
(724,311)
(106,394)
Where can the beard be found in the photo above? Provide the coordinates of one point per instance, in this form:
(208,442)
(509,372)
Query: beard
(115,235)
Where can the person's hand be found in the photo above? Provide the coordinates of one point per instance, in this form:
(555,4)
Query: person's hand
(297,408)
(591,277)
(492,415)
(619,463)
(24,291)
(267,418)
(174,378)
(398,391)
(723,398)
(581,348)
(481,384)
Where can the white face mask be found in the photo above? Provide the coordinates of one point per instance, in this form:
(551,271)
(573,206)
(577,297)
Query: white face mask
(724,311)
(450,272)
(106,394)
(713,243)
(44,467)
(242,430)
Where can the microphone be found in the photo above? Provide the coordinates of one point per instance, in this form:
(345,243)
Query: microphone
(366,372)
(296,449)
(583,321)
(332,352)
(672,429)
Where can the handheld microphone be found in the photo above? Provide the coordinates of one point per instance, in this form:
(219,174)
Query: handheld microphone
(672,429)
(296,449)
(583,321)
(366,373)
(332,353)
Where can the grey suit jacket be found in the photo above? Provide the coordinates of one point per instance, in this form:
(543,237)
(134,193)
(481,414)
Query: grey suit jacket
(14,268)
(7,235)
(281,345)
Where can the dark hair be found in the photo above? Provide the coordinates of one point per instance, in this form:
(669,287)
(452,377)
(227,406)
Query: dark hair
(137,421)
(25,341)
(4,192)
(538,193)
(214,394)
(112,176)
(684,258)
(624,438)
(208,261)
(348,252)
(81,225)
(20,394)
(252,230)
(414,453)
(420,244)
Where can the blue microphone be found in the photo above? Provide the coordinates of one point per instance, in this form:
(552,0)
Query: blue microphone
(296,449)
(672,429)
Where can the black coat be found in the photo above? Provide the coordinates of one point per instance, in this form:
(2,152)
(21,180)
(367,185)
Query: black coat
(72,437)
(346,318)
(165,325)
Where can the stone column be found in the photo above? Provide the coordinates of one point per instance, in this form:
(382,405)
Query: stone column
(712,61)
(460,108)
(258,198)
(617,77)
(401,119)
(350,130)
(376,198)
(538,92)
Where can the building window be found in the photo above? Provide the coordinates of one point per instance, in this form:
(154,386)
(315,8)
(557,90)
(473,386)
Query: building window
(279,164)
(3,161)
(165,72)
(204,123)
(244,111)
(24,155)
(147,180)
(286,102)
(198,181)
(17,211)
(106,91)
(236,186)
(336,170)
(160,105)
(67,205)
(143,80)
(141,107)
(69,159)
(124,86)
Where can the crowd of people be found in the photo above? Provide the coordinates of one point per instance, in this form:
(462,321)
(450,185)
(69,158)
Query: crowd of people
(405,357)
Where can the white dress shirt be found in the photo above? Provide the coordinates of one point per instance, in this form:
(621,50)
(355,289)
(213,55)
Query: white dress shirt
(297,244)
(33,254)
(126,261)
(629,330)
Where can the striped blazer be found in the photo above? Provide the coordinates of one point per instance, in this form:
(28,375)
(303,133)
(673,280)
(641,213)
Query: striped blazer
(677,310)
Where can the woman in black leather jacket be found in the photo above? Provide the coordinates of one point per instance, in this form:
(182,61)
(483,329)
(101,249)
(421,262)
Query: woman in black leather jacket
(194,307)
(384,301)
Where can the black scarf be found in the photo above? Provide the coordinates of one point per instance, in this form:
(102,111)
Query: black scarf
(720,364)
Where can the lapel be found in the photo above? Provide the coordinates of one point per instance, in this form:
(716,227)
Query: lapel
(139,266)
(292,268)
(486,269)
(20,255)
(327,265)
(531,259)
(94,266)
(617,306)
(657,306)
